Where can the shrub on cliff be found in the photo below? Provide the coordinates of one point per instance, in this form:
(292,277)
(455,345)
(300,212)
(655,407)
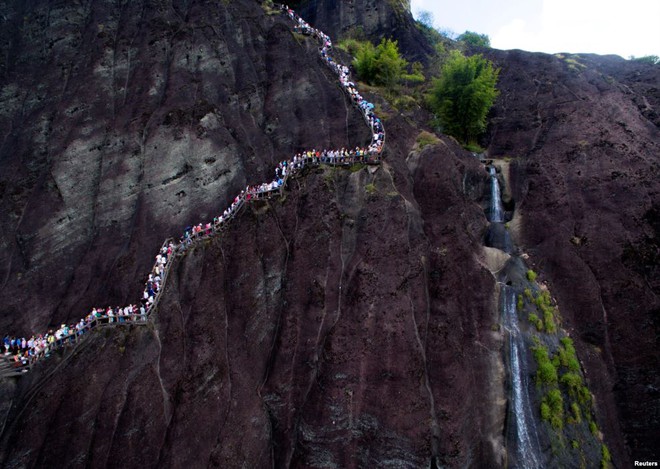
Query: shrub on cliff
(647,59)
(474,39)
(382,64)
(552,408)
(463,95)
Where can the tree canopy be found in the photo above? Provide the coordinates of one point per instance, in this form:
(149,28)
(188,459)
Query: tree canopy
(381,64)
(463,94)
(474,39)
(425,17)
(648,59)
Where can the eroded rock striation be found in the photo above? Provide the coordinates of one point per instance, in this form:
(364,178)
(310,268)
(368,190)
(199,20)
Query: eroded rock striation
(582,133)
(350,324)
(372,19)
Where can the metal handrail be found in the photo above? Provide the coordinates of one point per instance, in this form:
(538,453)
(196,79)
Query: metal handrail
(20,365)
(73,338)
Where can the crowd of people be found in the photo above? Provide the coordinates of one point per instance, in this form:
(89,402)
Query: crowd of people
(288,168)
(24,351)
(373,151)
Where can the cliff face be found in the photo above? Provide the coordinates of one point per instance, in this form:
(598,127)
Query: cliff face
(370,18)
(583,135)
(324,329)
(122,123)
(351,324)
(294,341)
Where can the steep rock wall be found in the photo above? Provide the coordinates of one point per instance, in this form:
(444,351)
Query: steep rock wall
(123,122)
(332,328)
(584,132)
(372,19)
(329,329)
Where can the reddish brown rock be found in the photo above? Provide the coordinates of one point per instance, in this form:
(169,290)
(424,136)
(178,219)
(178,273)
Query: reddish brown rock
(585,184)
(351,324)
(326,328)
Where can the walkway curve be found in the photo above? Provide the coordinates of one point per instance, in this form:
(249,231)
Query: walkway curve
(21,354)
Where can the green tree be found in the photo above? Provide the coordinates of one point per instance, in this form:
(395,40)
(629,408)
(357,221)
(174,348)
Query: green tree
(463,94)
(425,17)
(474,39)
(390,65)
(416,76)
(380,65)
(648,59)
(365,62)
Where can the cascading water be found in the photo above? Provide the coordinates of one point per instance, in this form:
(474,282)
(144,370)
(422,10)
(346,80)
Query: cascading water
(521,414)
(497,235)
(496,211)
(524,449)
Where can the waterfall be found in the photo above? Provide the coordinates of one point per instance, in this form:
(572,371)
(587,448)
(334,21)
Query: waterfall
(527,448)
(496,211)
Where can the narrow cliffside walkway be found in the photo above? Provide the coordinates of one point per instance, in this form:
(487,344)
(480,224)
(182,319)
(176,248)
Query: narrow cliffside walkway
(20,354)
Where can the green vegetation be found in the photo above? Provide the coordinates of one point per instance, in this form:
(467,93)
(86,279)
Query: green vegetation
(572,380)
(550,377)
(350,45)
(381,65)
(567,355)
(549,322)
(268,6)
(356,32)
(426,138)
(544,303)
(572,61)
(565,400)
(398,7)
(546,321)
(574,65)
(546,373)
(434,36)
(542,300)
(463,95)
(425,18)
(577,413)
(534,319)
(474,148)
(554,408)
(370,188)
(474,39)
(606,459)
(584,395)
(329,176)
(647,59)
(300,38)
(402,101)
